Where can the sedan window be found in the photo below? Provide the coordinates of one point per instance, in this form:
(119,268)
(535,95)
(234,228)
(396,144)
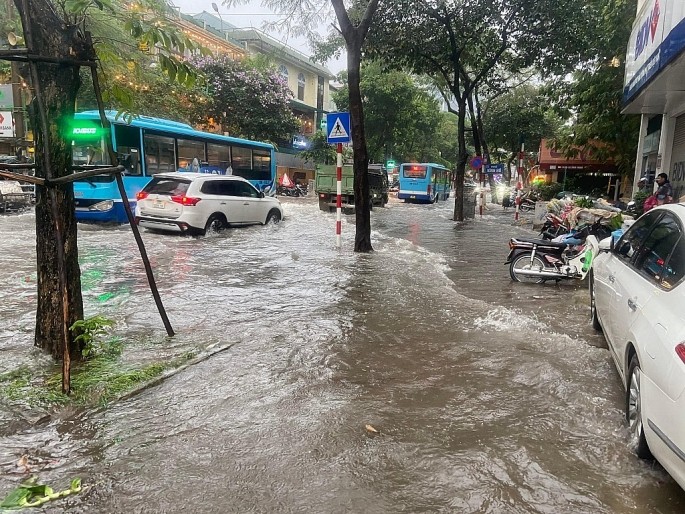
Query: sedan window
(631,241)
(656,248)
(674,271)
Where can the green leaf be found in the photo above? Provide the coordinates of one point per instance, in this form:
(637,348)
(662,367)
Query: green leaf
(16,499)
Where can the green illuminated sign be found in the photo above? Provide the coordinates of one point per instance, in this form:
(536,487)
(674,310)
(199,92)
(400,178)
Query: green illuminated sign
(390,164)
(85,130)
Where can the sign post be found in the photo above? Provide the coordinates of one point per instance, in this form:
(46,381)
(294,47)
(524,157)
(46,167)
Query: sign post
(338,131)
(519,183)
(478,164)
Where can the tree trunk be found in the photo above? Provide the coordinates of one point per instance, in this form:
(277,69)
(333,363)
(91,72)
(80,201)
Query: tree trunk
(58,85)
(461,162)
(362,207)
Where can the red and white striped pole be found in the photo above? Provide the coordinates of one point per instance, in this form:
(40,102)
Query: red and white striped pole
(519,182)
(338,200)
(482,187)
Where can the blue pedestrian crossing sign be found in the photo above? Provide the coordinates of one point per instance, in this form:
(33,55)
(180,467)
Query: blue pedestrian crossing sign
(338,127)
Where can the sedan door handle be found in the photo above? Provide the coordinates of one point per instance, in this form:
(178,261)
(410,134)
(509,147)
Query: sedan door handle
(632,305)
(246,203)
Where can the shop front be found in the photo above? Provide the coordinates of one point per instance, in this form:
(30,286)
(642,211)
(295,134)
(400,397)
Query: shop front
(655,72)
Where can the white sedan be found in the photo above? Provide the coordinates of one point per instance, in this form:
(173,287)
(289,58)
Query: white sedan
(638,300)
(198,202)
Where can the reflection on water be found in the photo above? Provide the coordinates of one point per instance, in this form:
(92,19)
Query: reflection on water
(489,396)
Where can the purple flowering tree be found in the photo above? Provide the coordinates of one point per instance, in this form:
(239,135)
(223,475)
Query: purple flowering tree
(245,101)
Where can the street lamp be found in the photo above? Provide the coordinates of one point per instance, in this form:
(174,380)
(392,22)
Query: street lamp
(216,10)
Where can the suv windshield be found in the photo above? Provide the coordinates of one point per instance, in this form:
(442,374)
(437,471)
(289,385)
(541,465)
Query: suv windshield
(167,186)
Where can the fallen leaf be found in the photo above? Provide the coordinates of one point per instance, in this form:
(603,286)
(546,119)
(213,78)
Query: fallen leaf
(371,429)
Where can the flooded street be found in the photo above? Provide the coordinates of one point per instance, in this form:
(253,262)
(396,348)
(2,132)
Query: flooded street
(489,396)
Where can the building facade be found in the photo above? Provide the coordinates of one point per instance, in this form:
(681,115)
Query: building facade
(308,81)
(655,72)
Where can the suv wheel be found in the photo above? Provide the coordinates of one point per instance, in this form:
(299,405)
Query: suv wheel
(215,223)
(273,217)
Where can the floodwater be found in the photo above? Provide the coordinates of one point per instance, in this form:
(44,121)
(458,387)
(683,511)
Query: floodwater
(489,396)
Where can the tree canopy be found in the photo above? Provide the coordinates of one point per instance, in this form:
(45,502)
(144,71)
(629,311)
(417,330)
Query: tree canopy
(402,117)
(244,100)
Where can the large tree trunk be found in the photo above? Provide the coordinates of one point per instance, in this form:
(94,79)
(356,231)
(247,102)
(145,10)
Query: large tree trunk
(58,85)
(362,207)
(461,162)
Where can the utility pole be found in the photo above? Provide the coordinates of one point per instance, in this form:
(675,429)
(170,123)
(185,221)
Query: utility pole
(17,98)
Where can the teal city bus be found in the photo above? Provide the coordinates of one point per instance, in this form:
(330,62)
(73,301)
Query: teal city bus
(147,146)
(424,182)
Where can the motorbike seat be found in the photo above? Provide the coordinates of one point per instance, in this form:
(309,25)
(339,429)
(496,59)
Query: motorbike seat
(541,242)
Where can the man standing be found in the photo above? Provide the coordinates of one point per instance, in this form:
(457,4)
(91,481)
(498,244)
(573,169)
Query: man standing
(664,193)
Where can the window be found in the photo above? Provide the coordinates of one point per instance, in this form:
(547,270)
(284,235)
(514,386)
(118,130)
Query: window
(283,71)
(242,160)
(188,150)
(674,270)
(262,164)
(413,171)
(160,154)
(632,239)
(651,256)
(128,148)
(220,187)
(219,155)
(246,190)
(300,86)
(167,186)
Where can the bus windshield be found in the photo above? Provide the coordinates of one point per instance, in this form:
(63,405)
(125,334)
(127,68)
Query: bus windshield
(415,171)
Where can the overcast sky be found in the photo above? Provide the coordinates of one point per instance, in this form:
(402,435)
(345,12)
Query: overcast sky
(254,15)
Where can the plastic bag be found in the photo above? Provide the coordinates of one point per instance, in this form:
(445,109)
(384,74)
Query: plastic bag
(650,203)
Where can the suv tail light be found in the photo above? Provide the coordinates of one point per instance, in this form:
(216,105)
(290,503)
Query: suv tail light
(429,189)
(141,195)
(185,200)
(680,350)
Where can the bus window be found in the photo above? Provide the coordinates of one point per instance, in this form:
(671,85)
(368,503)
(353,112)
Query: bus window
(414,171)
(218,155)
(128,148)
(160,155)
(242,160)
(262,164)
(189,149)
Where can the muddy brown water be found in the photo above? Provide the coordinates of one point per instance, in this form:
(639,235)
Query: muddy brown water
(489,396)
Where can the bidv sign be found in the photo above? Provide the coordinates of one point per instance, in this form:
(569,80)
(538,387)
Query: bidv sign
(647,30)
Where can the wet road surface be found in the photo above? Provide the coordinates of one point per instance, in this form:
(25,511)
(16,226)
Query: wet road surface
(489,396)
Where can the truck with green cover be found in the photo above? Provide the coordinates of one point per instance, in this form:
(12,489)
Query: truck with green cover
(327,189)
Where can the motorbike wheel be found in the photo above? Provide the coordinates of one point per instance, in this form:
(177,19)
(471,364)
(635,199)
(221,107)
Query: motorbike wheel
(523,262)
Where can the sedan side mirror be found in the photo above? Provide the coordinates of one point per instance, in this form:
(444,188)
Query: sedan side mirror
(261,194)
(606,244)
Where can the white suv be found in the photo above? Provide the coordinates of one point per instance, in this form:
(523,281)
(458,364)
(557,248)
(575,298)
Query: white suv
(197,202)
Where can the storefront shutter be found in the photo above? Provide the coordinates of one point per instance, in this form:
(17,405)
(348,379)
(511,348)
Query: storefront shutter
(677,172)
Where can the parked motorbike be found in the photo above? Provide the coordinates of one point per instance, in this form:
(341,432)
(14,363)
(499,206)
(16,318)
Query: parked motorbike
(538,260)
(553,227)
(296,190)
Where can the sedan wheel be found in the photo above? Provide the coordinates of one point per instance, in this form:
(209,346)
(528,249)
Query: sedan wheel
(634,411)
